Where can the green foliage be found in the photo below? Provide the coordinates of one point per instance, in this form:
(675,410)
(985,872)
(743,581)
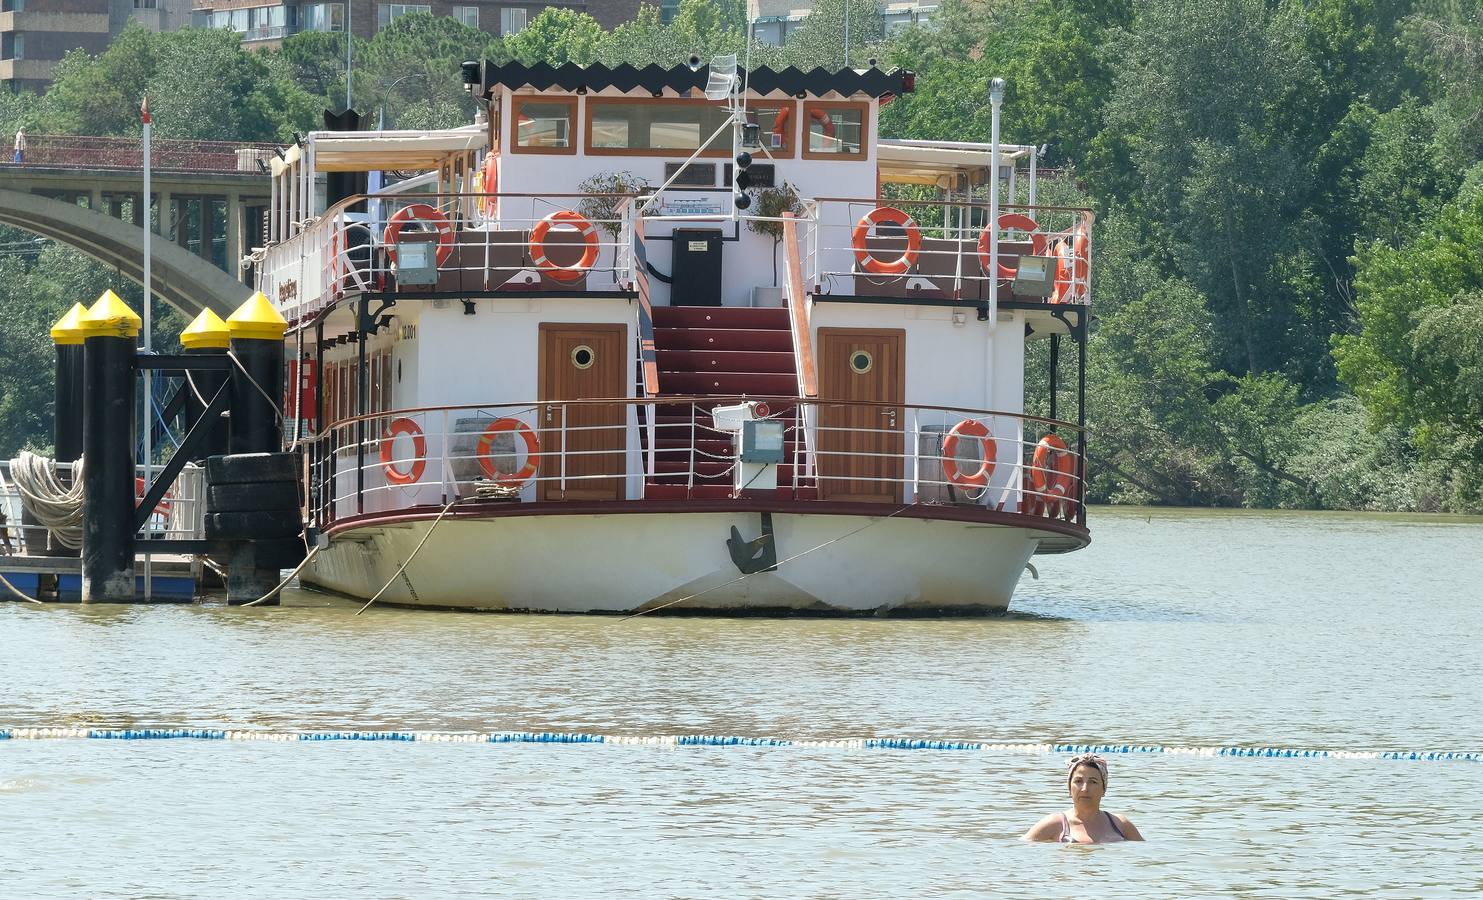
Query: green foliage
(1417,360)
(556,36)
(202,85)
(411,70)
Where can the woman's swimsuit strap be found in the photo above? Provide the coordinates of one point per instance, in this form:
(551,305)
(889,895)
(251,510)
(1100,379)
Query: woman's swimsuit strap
(1065,837)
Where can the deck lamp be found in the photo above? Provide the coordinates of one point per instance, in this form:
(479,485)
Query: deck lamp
(1033,277)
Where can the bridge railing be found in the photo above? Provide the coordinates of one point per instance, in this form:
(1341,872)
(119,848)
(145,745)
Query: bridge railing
(79,151)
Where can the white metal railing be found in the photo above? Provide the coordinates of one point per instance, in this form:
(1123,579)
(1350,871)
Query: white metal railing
(596,450)
(484,243)
(942,251)
(181,515)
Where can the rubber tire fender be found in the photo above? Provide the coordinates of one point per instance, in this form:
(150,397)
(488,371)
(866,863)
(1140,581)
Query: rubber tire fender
(252,497)
(252,468)
(256,525)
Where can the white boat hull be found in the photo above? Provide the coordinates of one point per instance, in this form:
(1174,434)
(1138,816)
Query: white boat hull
(627,562)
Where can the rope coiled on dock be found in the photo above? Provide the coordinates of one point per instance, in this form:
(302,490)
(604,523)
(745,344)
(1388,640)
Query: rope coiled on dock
(55,506)
(719,740)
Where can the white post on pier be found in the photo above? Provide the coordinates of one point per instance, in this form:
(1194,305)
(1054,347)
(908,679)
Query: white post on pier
(148,337)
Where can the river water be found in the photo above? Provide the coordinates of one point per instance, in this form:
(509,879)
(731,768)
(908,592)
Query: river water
(1298,630)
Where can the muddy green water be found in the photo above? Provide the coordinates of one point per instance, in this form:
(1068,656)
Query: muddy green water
(1174,628)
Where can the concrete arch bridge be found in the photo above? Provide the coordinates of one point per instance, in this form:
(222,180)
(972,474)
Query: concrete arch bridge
(208,200)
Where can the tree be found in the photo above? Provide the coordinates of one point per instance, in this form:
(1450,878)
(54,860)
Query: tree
(1417,360)
(1194,93)
(411,68)
(556,36)
(247,96)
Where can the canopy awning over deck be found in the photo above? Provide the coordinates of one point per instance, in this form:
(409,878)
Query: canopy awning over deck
(942,163)
(369,151)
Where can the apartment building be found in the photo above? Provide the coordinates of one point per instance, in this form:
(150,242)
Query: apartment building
(262,23)
(774,20)
(36,34)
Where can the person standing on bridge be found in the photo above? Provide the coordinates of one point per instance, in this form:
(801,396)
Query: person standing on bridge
(20,145)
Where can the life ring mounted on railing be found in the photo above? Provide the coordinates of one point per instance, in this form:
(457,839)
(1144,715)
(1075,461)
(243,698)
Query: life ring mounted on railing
(488,185)
(1053,471)
(565,274)
(988,453)
(1072,266)
(397,428)
(425,215)
(883,215)
(486,446)
(1019,222)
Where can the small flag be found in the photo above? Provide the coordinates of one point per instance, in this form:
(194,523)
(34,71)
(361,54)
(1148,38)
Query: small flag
(144,110)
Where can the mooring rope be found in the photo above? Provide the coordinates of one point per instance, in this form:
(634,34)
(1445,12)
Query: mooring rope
(416,550)
(56,507)
(717,740)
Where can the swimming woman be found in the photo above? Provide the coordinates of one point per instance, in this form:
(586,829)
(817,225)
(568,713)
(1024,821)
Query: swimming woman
(1085,822)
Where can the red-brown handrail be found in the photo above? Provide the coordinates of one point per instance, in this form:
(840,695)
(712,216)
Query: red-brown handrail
(803,345)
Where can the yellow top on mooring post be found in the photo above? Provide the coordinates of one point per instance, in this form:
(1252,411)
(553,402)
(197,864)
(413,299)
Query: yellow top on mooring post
(257,319)
(111,317)
(206,332)
(70,329)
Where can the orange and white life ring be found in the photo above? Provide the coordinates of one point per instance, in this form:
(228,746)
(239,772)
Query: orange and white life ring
(988,453)
(486,180)
(427,215)
(163,507)
(780,124)
(532,452)
(1072,266)
(1017,221)
(570,273)
(886,215)
(1053,472)
(419,452)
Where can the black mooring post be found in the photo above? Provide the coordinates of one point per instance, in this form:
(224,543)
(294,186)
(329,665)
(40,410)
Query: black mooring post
(108,435)
(257,331)
(206,384)
(207,335)
(68,336)
(257,380)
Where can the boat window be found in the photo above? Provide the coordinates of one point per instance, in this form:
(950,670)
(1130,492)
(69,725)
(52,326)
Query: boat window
(656,127)
(545,125)
(777,126)
(835,129)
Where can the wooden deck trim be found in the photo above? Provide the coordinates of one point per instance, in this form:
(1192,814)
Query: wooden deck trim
(803,346)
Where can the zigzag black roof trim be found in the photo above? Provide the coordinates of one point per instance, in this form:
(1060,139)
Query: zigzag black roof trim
(816,82)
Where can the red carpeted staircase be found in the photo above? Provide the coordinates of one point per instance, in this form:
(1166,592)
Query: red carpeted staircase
(715,351)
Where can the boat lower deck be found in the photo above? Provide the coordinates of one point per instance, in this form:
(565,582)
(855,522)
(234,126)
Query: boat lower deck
(721,557)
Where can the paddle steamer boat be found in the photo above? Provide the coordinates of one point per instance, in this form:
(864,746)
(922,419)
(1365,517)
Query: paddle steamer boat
(655,340)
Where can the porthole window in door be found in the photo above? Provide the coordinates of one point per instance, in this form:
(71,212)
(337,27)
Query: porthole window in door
(861,362)
(583,357)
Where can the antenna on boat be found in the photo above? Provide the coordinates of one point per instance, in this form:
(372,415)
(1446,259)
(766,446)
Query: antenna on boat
(721,83)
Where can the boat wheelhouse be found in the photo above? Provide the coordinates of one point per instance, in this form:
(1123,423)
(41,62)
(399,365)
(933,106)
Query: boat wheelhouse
(687,339)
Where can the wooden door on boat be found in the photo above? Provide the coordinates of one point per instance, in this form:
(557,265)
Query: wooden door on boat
(580,362)
(860,447)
